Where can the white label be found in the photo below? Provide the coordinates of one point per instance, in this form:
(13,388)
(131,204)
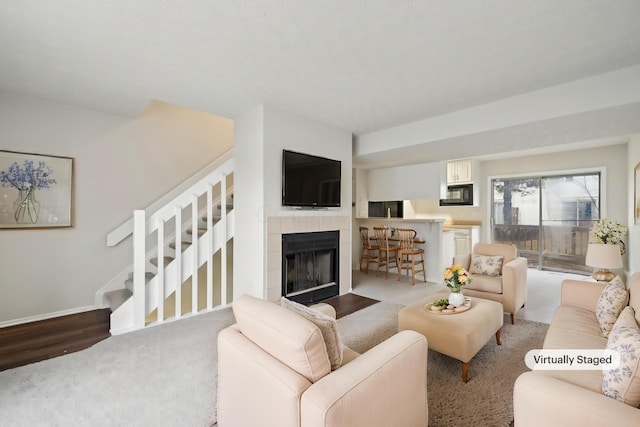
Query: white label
(577,360)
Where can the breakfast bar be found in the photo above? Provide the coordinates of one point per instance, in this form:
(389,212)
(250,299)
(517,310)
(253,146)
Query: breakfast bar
(438,243)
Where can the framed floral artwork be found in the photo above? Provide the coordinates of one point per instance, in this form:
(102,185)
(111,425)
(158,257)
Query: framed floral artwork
(35,190)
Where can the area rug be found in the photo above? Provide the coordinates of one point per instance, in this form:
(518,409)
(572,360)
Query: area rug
(487,399)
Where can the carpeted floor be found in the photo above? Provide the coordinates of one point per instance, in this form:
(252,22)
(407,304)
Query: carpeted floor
(487,399)
(166,376)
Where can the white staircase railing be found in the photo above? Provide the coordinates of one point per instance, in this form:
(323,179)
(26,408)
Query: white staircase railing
(189,213)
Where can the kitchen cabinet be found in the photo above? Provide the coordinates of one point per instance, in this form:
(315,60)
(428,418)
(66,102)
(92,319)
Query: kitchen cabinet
(462,239)
(460,171)
(448,247)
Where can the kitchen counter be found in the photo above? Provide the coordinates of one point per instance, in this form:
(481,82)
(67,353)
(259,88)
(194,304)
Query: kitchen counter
(442,220)
(461,225)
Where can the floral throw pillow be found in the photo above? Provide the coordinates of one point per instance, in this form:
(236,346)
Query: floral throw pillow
(613,298)
(486,264)
(327,325)
(623,383)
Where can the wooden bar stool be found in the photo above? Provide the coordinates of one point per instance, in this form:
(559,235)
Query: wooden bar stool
(369,248)
(384,248)
(410,258)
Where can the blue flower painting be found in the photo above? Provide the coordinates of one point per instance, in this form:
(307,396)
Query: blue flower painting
(35,190)
(27,177)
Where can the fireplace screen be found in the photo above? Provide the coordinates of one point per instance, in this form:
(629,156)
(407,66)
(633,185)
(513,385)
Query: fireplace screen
(310,265)
(309,269)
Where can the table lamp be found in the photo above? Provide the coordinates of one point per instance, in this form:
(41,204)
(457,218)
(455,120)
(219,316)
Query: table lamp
(603,257)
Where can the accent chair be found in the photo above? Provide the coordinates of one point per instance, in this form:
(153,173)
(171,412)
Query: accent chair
(274,368)
(498,274)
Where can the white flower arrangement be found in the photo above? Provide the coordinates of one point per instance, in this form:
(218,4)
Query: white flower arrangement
(609,233)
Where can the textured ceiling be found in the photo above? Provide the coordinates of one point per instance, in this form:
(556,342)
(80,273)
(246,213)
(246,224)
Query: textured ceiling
(361,65)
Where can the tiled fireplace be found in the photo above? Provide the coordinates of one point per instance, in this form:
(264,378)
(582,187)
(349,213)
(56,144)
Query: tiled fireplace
(298,228)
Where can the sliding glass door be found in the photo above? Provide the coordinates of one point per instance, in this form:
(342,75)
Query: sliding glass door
(548,218)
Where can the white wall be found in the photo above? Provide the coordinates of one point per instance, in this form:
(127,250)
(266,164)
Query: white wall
(633,159)
(276,130)
(249,194)
(405,182)
(432,209)
(120,165)
(284,130)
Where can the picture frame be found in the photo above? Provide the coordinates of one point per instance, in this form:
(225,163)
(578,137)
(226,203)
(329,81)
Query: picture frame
(36,190)
(636,193)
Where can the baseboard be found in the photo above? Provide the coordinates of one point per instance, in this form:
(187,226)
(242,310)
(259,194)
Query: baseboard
(47,316)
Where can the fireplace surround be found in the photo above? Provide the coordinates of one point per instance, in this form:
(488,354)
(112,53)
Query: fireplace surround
(277,226)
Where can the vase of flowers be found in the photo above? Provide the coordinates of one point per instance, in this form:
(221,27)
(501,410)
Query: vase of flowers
(26,179)
(455,277)
(608,232)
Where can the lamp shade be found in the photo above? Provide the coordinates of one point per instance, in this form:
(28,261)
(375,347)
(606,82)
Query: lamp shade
(603,256)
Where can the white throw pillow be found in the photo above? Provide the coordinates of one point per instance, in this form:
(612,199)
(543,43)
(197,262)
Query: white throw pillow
(623,383)
(327,325)
(486,264)
(613,298)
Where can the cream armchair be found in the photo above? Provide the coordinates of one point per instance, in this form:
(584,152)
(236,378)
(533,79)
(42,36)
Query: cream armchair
(507,284)
(274,370)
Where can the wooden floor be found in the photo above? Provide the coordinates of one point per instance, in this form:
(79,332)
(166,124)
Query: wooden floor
(45,339)
(349,303)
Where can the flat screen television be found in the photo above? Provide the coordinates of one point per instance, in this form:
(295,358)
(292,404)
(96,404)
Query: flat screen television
(310,181)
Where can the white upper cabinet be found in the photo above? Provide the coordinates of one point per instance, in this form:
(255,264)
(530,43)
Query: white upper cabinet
(460,171)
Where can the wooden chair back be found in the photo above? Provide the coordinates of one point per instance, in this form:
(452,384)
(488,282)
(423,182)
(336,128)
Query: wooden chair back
(382,236)
(406,236)
(364,237)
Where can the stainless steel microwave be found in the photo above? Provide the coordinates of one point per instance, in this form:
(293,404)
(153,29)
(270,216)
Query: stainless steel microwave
(458,195)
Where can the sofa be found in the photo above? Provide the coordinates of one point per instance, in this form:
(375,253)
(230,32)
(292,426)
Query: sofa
(498,274)
(278,366)
(576,397)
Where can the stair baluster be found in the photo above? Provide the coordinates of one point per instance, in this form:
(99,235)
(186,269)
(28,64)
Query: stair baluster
(139,267)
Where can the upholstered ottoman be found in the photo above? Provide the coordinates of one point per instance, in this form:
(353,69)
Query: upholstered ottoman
(458,335)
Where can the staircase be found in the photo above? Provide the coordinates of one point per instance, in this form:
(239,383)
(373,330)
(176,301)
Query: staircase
(181,253)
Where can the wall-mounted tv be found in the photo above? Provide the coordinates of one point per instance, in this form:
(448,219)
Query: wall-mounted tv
(310,181)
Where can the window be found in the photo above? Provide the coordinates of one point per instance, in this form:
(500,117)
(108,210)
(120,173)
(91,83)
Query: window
(547,217)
